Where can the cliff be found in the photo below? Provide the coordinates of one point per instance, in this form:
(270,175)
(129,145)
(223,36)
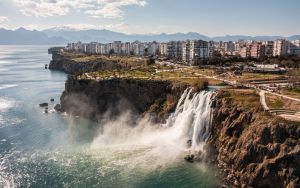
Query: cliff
(67,64)
(93,99)
(254,148)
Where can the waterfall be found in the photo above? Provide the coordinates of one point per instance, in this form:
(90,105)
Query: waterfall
(191,120)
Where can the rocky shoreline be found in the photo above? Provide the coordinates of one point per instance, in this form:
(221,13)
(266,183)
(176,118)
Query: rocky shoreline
(68,65)
(92,99)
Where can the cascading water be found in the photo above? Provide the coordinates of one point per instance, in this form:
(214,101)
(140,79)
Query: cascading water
(191,120)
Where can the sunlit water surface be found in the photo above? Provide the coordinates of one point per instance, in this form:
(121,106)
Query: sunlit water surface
(54,150)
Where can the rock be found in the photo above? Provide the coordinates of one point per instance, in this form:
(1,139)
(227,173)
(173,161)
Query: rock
(43,104)
(46,111)
(57,107)
(91,99)
(255,150)
(52,100)
(189,143)
(189,158)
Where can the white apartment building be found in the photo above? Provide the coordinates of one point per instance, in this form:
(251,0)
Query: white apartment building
(186,51)
(211,48)
(281,47)
(126,48)
(153,48)
(117,47)
(295,47)
(163,49)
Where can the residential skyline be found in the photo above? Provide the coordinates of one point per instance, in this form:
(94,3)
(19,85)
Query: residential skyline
(208,17)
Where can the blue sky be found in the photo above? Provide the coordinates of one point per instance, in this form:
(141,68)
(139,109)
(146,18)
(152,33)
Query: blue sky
(208,17)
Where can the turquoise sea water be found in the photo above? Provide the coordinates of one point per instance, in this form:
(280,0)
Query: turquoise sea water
(55,150)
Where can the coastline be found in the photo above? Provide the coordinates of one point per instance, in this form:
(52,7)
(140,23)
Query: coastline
(232,120)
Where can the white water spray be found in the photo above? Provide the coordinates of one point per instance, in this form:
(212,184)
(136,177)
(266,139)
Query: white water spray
(191,120)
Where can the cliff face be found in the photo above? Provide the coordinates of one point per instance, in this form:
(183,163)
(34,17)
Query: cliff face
(69,66)
(253,148)
(91,99)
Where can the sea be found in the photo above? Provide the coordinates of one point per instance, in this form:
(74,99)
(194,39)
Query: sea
(39,149)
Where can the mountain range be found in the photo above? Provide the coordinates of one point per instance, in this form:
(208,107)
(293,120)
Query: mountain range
(61,36)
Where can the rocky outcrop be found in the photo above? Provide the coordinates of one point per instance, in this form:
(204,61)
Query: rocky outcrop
(65,63)
(92,99)
(254,148)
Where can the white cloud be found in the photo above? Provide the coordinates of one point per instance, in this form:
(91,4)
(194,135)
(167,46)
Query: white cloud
(93,8)
(83,26)
(3,19)
(4,22)
(120,27)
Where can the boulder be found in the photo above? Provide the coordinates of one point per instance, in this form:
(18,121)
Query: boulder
(43,104)
(57,107)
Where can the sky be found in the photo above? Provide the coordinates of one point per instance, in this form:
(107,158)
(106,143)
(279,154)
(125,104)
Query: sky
(208,17)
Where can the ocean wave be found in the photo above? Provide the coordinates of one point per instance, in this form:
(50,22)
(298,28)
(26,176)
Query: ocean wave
(6,104)
(6,86)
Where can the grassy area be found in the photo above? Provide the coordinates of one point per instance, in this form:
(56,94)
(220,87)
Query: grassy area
(85,59)
(247,97)
(154,72)
(275,102)
(254,77)
(295,92)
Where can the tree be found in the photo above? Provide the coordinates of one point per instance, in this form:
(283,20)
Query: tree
(151,61)
(111,51)
(146,51)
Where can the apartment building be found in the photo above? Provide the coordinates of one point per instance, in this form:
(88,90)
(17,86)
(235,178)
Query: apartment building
(174,49)
(186,51)
(257,50)
(295,48)
(281,47)
(245,51)
(198,50)
(117,47)
(163,49)
(269,48)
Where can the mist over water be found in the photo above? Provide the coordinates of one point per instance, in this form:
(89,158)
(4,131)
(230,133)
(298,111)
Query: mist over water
(54,150)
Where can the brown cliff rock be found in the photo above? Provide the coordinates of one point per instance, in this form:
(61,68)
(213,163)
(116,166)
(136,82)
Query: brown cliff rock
(255,149)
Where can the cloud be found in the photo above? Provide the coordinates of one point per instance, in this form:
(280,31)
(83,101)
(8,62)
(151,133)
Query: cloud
(85,26)
(3,19)
(93,8)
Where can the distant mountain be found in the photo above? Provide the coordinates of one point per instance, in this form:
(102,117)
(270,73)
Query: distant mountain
(244,37)
(294,37)
(27,37)
(63,35)
(109,36)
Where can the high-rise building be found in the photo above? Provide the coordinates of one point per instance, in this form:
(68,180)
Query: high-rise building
(257,50)
(163,49)
(229,47)
(211,48)
(281,47)
(117,47)
(126,48)
(186,51)
(198,50)
(153,48)
(295,47)
(245,51)
(174,49)
(269,48)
